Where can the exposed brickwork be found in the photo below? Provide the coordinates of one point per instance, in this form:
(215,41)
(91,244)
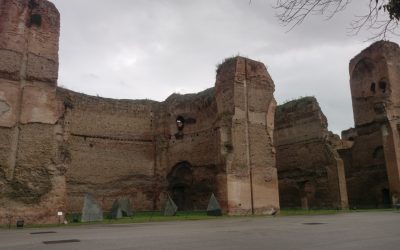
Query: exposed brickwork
(32,181)
(56,145)
(373,162)
(310,171)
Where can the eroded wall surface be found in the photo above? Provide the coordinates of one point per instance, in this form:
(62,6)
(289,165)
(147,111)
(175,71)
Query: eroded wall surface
(310,170)
(373,163)
(246,106)
(32,181)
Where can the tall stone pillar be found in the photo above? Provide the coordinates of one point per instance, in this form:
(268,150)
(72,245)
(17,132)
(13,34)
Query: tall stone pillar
(246,107)
(31,161)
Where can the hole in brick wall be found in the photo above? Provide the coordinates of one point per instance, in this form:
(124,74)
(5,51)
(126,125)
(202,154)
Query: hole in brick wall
(180,122)
(373,87)
(382,86)
(36,19)
(379,153)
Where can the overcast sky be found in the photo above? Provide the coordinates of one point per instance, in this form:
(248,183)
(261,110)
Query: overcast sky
(137,49)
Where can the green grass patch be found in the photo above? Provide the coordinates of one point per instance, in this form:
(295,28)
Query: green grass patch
(139,217)
(156,216)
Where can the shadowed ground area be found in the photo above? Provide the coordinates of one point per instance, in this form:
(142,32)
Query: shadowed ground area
(362,230)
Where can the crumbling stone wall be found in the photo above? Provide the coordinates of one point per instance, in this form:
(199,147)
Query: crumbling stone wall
(373,162)
(56,145)
(310,171)
(32,180)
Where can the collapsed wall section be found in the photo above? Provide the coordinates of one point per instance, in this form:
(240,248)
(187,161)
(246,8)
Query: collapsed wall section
(310,171)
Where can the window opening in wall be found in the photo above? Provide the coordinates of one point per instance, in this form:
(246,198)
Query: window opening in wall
(36,19)
(373,87)
(180,123)
(382,86)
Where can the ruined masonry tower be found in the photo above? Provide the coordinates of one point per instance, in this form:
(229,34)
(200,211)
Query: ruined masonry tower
(189,146)
(30,138)
(373,164)
(248,109)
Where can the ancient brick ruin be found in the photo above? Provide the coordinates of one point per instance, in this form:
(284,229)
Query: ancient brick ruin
(57,145)
(373,160)
(310,170)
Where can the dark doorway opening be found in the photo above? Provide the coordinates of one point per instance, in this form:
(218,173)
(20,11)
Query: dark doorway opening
(178,195)
(386,201)
(180,181)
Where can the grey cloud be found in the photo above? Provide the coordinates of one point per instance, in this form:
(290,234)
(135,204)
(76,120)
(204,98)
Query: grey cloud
(159,47)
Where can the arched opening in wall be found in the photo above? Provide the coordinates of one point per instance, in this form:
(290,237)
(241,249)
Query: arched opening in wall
(180,181)
(386,201)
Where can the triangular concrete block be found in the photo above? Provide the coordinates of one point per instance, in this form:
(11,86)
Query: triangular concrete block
(170,207)
(214,209)
(91,210)
(121,208)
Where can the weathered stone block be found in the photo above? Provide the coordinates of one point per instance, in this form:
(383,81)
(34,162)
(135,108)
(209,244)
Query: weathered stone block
(9,97)
(10,64)
(91,210)
(13,16)
(40,105)
(41,69)
(121,208)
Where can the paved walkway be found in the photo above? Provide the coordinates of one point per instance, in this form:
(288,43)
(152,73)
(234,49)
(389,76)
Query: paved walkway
(364,230)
